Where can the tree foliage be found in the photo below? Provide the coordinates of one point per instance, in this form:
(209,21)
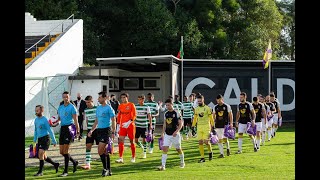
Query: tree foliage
(214,29)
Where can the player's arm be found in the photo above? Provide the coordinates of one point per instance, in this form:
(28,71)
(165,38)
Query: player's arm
(230,115)
(279,111)
(210,117)
(195,118)
(253,113)
(157,111)
(94,126)
(180,124)
(49,129)
(133,112)
(237,116)
(149,116)
(35,134)
(163,127)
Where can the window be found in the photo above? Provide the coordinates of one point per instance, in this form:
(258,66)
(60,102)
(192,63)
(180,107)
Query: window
(151,83)
(113,84)
(131,83)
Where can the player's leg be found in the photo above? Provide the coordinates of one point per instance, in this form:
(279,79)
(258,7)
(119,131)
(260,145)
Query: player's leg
(104,136)
(177,145)
(207,142)
(137,136)
(89,143)
(275,125)
(45,147)
(269,129)
(144,142)
(201,148)
(131,131)
(166,143)
(264,128)
(241,129)
(64,141)
(258,138)
(122,135)
(220,132)
(151,144)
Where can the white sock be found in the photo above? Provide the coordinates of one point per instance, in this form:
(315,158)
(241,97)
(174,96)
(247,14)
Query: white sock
(258,142)
(272,130)
(220,147)
(253,142)
(269,134)
(240,144)
(227,144)
(263,136)
(275,129)
(164,159)
(182,158)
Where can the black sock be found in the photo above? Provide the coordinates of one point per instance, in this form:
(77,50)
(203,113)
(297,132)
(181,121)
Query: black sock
(66,163)
(41,166)
(71,159)
(108,162)
(49,160)
(103,160)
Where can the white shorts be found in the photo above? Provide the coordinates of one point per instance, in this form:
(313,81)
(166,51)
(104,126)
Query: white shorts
(242,128)
(275,118)
(264,126)
(170,140)
(270,122)
(220,133)
(259,126)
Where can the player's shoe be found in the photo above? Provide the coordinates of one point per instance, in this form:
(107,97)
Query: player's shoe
(255,149)
(201,160)
(133,159)
(38,174)
(161,168)
(86,167)
(56,166)
(238,152)
(210,156)
(104,173)
(144,155)
(150,150)
(120,160)
(182,165)
(63,174)
(221,156)
(109,173)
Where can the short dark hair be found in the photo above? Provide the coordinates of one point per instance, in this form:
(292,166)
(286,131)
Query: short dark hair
(176,96)
(88,98)
(255,99)
(150,94)
(272,95)
(66,92)
(103,94)
(142,96)
(219,96)
(243,94)
(191,95)
(200,97)
(40,106)
(168,101)
(170,97)
(112,95)
(259,95)
(125,94)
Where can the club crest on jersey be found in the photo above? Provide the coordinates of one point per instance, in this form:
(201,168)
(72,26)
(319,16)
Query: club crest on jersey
(224,108)
(245,106)
(201,114)
(169,120)
(103,114)
(127,107)
(256,110)
(173,115)
(243,111)
(220,113)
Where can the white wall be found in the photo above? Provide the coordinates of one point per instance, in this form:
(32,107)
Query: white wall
(63,56)
(34,27)
(88,87)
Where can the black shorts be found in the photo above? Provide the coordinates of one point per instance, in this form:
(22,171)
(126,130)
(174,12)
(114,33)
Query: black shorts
(140,132)
(103,135)
(187,121)
(65,136)
(94,137)
(44,142)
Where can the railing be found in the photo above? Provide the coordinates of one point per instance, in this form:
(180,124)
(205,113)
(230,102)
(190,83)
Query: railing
(48,34)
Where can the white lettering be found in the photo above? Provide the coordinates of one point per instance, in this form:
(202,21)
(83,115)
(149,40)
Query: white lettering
(280,83)
(232,85)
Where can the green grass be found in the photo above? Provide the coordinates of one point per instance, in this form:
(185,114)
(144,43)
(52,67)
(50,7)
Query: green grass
(275,160)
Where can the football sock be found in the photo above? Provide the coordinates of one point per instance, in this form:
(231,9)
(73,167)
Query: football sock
(201,149)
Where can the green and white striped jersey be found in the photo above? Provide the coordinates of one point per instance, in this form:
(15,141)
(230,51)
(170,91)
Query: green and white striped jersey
(178,105)
(187,110)
(154,108)
(90,114)
(142,120)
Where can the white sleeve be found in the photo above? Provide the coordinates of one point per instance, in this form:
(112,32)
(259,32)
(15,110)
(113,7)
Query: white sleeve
(148,110)
(214,109)
(229,108)
(263,108)
(250,106)
(238,107)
